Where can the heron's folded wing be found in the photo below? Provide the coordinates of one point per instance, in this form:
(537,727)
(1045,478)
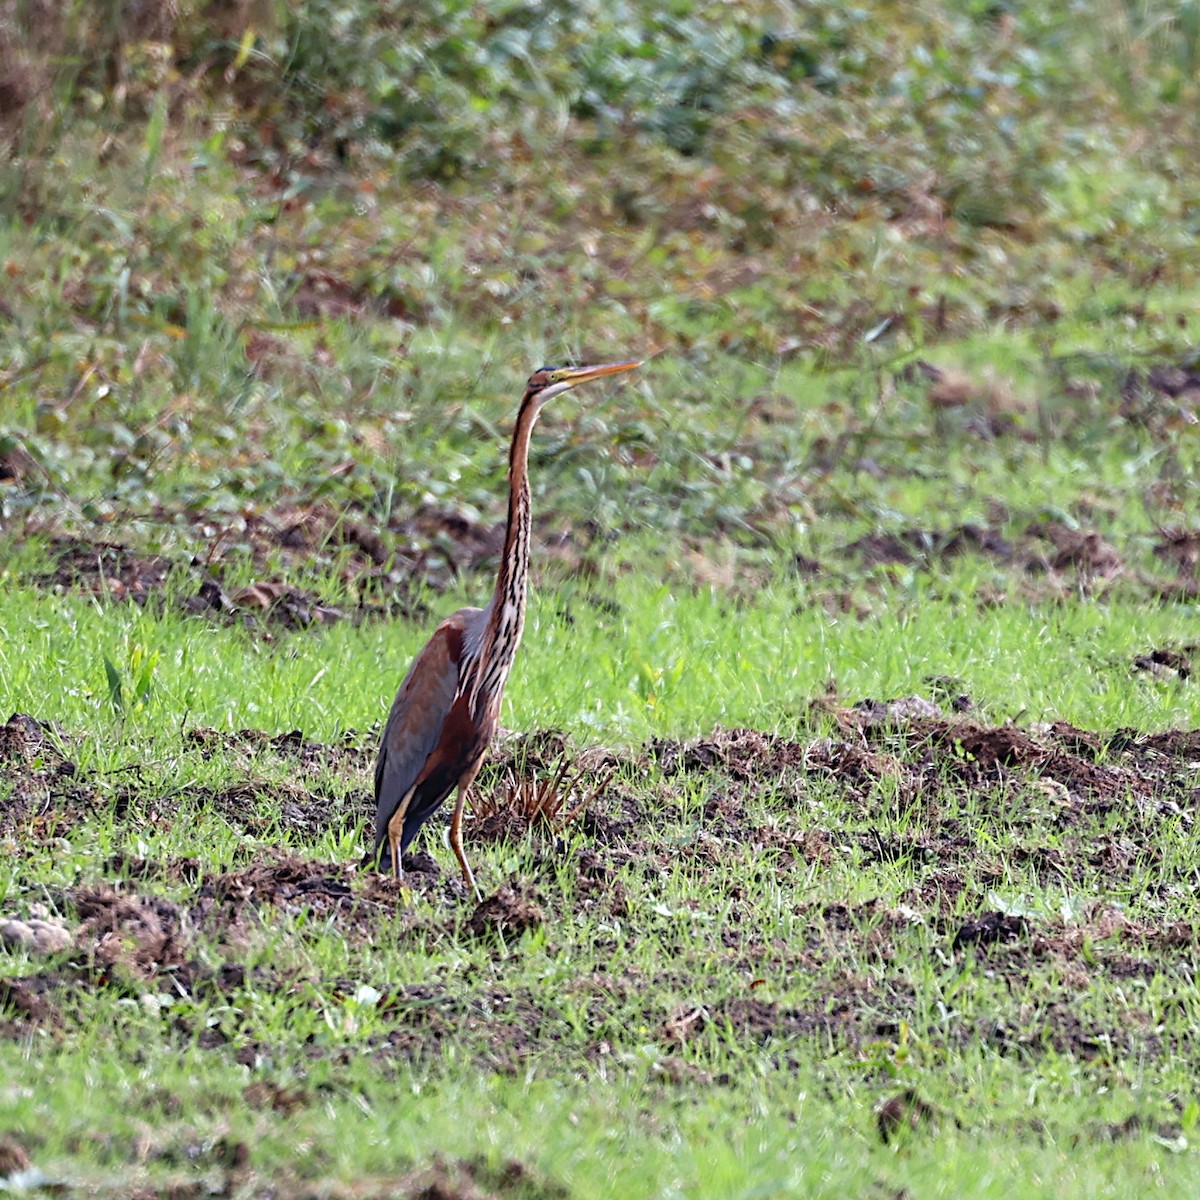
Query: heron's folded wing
(418,715)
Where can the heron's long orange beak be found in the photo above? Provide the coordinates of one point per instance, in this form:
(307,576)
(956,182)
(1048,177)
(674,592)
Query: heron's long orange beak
(577,375)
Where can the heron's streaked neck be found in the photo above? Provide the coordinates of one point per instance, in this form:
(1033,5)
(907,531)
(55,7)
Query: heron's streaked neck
(508,602)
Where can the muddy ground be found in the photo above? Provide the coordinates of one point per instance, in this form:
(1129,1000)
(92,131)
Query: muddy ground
(381,571)
(1078,806)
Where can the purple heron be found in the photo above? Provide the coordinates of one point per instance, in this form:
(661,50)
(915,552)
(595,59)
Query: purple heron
(448,706)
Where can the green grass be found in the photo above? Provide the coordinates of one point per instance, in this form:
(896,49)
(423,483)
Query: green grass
(773,1138)
(662,661)
(556,1048)
(268,307)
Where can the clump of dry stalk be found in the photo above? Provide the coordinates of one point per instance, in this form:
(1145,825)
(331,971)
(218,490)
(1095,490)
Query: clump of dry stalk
(554,797)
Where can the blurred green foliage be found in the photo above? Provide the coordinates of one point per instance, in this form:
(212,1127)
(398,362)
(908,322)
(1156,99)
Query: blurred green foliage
(257,253)
(432,83)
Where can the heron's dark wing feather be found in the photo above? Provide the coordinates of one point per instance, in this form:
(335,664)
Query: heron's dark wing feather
(418,717)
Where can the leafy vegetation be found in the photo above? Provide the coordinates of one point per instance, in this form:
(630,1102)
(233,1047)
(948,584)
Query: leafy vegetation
(847,844)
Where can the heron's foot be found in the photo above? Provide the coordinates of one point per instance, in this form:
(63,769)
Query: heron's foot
(468,876)
(469,880)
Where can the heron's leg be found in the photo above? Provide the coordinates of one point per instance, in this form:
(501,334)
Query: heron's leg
(456,832)
(395,832)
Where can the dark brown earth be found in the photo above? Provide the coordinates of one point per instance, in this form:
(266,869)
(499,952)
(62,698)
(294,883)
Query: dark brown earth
(1167,663)
(382,568)
(441,1179)
(919,788)
(12,1157)
(113,571)
(905,1111)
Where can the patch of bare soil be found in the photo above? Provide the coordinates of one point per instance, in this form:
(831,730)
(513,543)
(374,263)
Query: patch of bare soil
(290,884)
(441,1179)
(104,569)
(745,754)
(748,1020)
(909,743)
(47,796)
(1046,557)
(1150,748)
(264,600)
(432,545)
(266,1095)
(380,567)
(143,935)
(260,808)
(25,1003)
(1180,548)
(1167,663)
(116,572)
(507,914)
(1162,398)
(1084,550)
(287,883)
(908,546)
(965,752)
(989,928)
(904,1112)
(1073,802)
(24,739)
(309,755)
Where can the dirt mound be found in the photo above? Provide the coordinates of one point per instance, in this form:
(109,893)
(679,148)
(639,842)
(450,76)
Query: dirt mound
(899,742)
(310,755)
(359,902)
(976,754)
(112,571)
(26,1002)
(908,546)
(467,1179)
(746,1019)
(1084,550)
(142,934)
(104,569)
(282,883)
(1180,548)
(904,1112)
(23,738)
(989,928)
(745,753)
(507,914)
(46,799)
(1178,744)
(1044,558)
(1166,662)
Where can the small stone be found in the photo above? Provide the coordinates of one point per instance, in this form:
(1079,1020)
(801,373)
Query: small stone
(13,1158)
(35,934)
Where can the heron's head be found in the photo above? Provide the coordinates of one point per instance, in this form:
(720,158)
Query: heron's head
(547,382)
